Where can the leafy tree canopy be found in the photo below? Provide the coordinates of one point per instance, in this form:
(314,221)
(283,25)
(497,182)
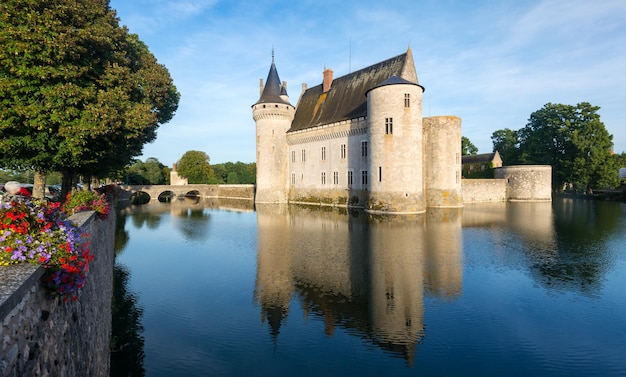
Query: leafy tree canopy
(506,142)
(195,166)
(574,141)
(234,172)
(150,172)
(79,93)
(467,147)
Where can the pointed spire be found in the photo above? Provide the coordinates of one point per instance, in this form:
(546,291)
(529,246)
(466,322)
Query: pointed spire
(274,88)
(408,67)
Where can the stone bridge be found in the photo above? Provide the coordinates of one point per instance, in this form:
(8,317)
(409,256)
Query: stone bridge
(170,192)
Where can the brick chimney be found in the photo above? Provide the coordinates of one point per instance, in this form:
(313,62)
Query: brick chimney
(328,79)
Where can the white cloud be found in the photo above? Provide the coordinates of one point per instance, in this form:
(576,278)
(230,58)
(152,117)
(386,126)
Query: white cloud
(492,64)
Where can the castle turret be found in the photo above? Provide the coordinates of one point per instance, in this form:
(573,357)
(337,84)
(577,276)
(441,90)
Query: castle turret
(394,117)
(442,151)
(273,115)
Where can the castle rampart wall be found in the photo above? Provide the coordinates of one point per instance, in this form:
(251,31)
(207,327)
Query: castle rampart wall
(484,190)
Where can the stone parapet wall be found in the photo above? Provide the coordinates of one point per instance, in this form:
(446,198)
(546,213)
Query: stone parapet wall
(235,191)
(484,190)
(43,336)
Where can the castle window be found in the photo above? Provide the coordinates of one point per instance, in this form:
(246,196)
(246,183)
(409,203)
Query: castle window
(380,174)
(303,155)
(364,177)
(350,178)
(293,178)
(323,153)
(336,178)
(323,178)
(407,100)
(364,148)
(293,156)
(458,176)
(388,126)
(343,151)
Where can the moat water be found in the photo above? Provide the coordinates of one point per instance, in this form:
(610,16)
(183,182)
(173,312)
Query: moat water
(517,289)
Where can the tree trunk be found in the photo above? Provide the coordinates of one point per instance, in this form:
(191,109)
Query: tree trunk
(67,180)
(39,184)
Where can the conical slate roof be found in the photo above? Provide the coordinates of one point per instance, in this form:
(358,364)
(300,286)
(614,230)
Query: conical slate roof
(393,80)
(273,88)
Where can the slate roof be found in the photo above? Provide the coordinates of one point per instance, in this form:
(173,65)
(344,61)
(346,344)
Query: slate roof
(478,158)
(273,88)
(346,98)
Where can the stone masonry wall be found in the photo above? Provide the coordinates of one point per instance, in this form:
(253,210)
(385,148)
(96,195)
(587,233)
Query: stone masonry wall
(484,190)
(43,336)
(527,182)
(235,191)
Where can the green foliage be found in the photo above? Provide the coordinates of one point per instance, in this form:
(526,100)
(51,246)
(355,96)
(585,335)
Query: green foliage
(234,173)
(151,172)
(574,141)
(467,147)
(506,142)
(11,175)
(485,170)
(80,94)
(232,178)
(194,165)
(86,200)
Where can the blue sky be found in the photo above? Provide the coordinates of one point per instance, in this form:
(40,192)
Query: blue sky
(492,63)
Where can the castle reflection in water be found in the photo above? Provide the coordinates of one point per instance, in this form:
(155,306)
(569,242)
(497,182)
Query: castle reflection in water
(369,274)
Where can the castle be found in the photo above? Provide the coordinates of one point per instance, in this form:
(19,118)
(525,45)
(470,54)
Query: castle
(357,140)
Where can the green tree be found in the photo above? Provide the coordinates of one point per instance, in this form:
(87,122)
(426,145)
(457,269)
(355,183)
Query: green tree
(80,94)
(467,147)
(245,173)
(154,171)
(506,142)
(574,141)
(195,166)
(151,172)
(232,178)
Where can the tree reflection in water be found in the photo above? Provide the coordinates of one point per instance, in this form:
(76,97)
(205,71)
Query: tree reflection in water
(126,340)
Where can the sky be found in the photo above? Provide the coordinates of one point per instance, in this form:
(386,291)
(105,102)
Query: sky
(490,62)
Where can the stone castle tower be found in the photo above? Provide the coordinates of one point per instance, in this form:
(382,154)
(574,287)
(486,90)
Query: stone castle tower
(273,115)
(357,140)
